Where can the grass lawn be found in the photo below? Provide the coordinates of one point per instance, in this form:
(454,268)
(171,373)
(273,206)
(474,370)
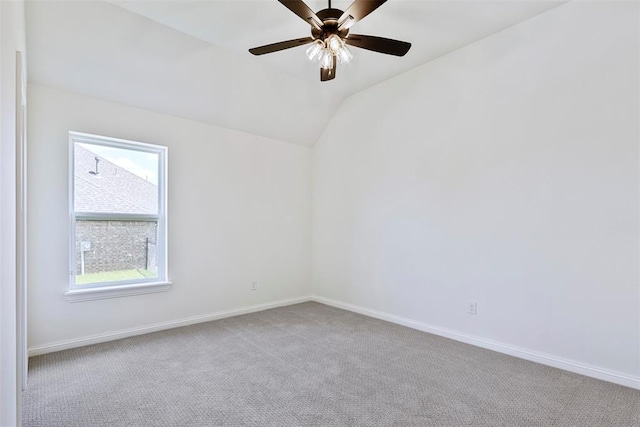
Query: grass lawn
(112,276)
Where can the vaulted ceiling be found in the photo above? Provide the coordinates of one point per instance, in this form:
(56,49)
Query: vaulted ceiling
(190,59)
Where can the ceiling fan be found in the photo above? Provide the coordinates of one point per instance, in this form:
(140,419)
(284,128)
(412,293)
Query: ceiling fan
(330,35)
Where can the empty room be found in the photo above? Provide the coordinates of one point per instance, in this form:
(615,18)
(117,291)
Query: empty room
(319,213)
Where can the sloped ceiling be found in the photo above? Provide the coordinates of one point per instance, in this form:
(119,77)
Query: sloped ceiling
(190,59)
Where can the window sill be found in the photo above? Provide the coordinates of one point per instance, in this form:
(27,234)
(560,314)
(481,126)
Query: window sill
(89,294)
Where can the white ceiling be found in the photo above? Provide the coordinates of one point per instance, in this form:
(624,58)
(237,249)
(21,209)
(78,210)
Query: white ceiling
(190,58)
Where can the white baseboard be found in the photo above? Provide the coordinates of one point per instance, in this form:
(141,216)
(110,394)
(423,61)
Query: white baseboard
(110,336)
(544,359)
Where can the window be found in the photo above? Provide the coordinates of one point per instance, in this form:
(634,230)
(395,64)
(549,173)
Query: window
(118,217)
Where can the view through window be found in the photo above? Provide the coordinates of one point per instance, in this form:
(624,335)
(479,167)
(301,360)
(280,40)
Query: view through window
(118,213)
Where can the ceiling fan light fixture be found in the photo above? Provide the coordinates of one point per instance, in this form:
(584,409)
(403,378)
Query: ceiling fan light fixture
(326,60)
(335,43)
(330,34)
(345,55)
(314,52)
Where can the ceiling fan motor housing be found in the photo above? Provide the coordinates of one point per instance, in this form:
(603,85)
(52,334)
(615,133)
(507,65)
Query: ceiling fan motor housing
(329,19)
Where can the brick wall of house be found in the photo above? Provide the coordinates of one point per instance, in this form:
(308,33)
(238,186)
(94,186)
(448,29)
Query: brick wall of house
(115,245)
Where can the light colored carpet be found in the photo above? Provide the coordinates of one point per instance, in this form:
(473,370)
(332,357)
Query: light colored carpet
(310,365)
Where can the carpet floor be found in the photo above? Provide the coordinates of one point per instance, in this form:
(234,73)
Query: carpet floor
(310,365)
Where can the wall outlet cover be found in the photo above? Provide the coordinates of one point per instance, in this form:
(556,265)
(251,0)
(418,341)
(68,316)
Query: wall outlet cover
(472,307)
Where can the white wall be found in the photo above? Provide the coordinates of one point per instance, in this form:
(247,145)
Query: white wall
(504,173)
(12,39)
(239,211)
(99,49)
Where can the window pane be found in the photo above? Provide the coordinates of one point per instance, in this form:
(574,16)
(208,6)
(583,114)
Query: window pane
(108,251)
(115,180)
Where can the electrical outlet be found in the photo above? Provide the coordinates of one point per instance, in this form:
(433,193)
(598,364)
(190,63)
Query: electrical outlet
(472,307)
(254,286)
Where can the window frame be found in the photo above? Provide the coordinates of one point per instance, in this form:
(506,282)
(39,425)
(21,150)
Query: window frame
(118,288)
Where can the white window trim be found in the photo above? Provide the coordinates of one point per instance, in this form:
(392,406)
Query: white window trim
(76,293)
(115,291)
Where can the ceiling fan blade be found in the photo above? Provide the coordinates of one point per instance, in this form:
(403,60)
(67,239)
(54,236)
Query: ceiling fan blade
(358,10)
(329,73)
(275,47)
(378,44)
(303,11)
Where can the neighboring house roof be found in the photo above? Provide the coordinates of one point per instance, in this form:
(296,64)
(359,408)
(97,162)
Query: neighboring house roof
(113,190)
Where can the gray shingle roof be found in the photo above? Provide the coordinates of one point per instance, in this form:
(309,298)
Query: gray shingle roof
(113,189)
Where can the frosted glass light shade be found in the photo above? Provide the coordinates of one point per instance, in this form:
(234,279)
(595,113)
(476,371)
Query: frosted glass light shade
(315,50)
(334,43)
(345,55)
(326,61)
